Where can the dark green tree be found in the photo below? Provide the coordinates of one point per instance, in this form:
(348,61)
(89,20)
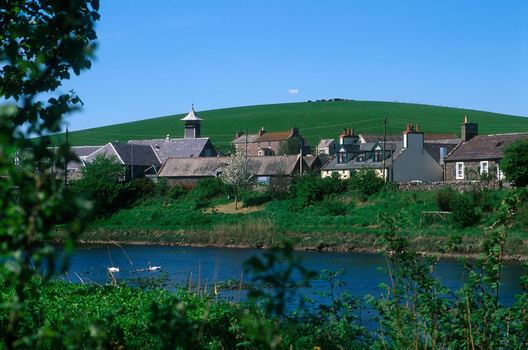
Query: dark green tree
(42,43)
(100,183)
(514,164)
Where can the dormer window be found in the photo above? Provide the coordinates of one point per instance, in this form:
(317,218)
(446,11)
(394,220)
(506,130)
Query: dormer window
(377,155)
(361,157)
(342,157)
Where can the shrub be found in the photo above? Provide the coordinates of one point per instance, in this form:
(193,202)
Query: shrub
(309,189)
(206,190)
(252,198)
(334,207)
(366,182)
(444,198)
(176,192)
(515,163)
(161,187)
(464,211)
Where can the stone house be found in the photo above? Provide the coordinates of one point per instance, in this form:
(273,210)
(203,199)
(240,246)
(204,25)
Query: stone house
(266,143)
(190,146)
(478,155)
(326,147)
(266,170)
(137,160)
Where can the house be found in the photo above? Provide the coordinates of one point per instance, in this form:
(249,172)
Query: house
(326,147)
(137,160)
(266,170)
(478,154)
(353,156)
(74,166)
(400,161)
(190,146)
(266,143)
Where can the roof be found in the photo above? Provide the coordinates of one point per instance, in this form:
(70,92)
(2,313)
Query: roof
(127,153)
(273,165)
(192,115)
(83,151)
(265,137)
(484,147)
(178,148)
(399,137)
(354,164)
(203,167)
(325,143)
(433,148)
(192,167)
(274,136)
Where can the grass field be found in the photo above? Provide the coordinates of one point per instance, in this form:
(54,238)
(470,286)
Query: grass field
(316,120)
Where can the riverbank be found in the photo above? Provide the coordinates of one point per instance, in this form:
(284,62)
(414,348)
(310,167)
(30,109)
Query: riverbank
(445,247)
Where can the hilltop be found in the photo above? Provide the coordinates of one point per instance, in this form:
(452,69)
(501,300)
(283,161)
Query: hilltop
(316,120)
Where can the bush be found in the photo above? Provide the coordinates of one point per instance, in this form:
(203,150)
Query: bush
(464,211)
(251,198)
(309,189)
(206,190)
(444,198)
(176,192)
(366,182)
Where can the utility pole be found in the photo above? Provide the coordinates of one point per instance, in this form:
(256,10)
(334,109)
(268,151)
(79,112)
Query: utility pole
(246,154)
(66,161)
(383,149)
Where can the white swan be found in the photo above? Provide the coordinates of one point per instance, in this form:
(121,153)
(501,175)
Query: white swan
(113,269)
(153,268)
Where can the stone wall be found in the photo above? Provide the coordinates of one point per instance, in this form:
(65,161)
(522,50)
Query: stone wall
(462,186)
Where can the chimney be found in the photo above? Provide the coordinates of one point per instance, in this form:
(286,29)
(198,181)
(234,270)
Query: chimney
(238,134)
(413,139)
(468,130)
(261,131)
(168,137)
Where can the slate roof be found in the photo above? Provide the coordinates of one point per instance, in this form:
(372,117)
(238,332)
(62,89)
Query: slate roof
(192,167)
(325,143)
(211,166)
(178,148)
(354,164)
(433,148)
(250,139)
(484,147)
(128,153)
(273,165)
(83,151)
(399,137)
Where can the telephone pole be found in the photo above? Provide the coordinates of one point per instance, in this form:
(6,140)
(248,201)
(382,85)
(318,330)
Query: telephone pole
(383,149)
(66,161)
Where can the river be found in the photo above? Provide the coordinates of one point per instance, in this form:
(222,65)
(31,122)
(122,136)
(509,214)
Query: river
(363,273)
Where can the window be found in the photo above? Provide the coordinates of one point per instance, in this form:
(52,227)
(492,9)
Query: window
(361,157)
(263,180)
(377,156)
(260,152)
(459,170)
(500,174)
(484,166)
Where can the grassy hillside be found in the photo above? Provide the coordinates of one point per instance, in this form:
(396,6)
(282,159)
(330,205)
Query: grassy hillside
(316,120)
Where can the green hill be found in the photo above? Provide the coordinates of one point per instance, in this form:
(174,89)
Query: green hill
(315,120)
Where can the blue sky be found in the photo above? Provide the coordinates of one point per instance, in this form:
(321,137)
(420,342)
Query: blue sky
(157,57)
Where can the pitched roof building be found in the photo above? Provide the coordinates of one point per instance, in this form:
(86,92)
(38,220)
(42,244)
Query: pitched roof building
(478,154)
(137,160)
(191,145)
(270,143)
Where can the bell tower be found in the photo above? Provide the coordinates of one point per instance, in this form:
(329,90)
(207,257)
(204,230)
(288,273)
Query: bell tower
(192,125)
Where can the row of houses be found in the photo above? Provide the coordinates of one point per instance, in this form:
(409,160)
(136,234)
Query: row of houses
(410,156)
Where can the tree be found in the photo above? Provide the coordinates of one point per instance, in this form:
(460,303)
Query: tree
(42,43)
(292,146)
(514,164)
(236,175)
(100,183)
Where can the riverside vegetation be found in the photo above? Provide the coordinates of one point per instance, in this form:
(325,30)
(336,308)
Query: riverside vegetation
(314,213)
